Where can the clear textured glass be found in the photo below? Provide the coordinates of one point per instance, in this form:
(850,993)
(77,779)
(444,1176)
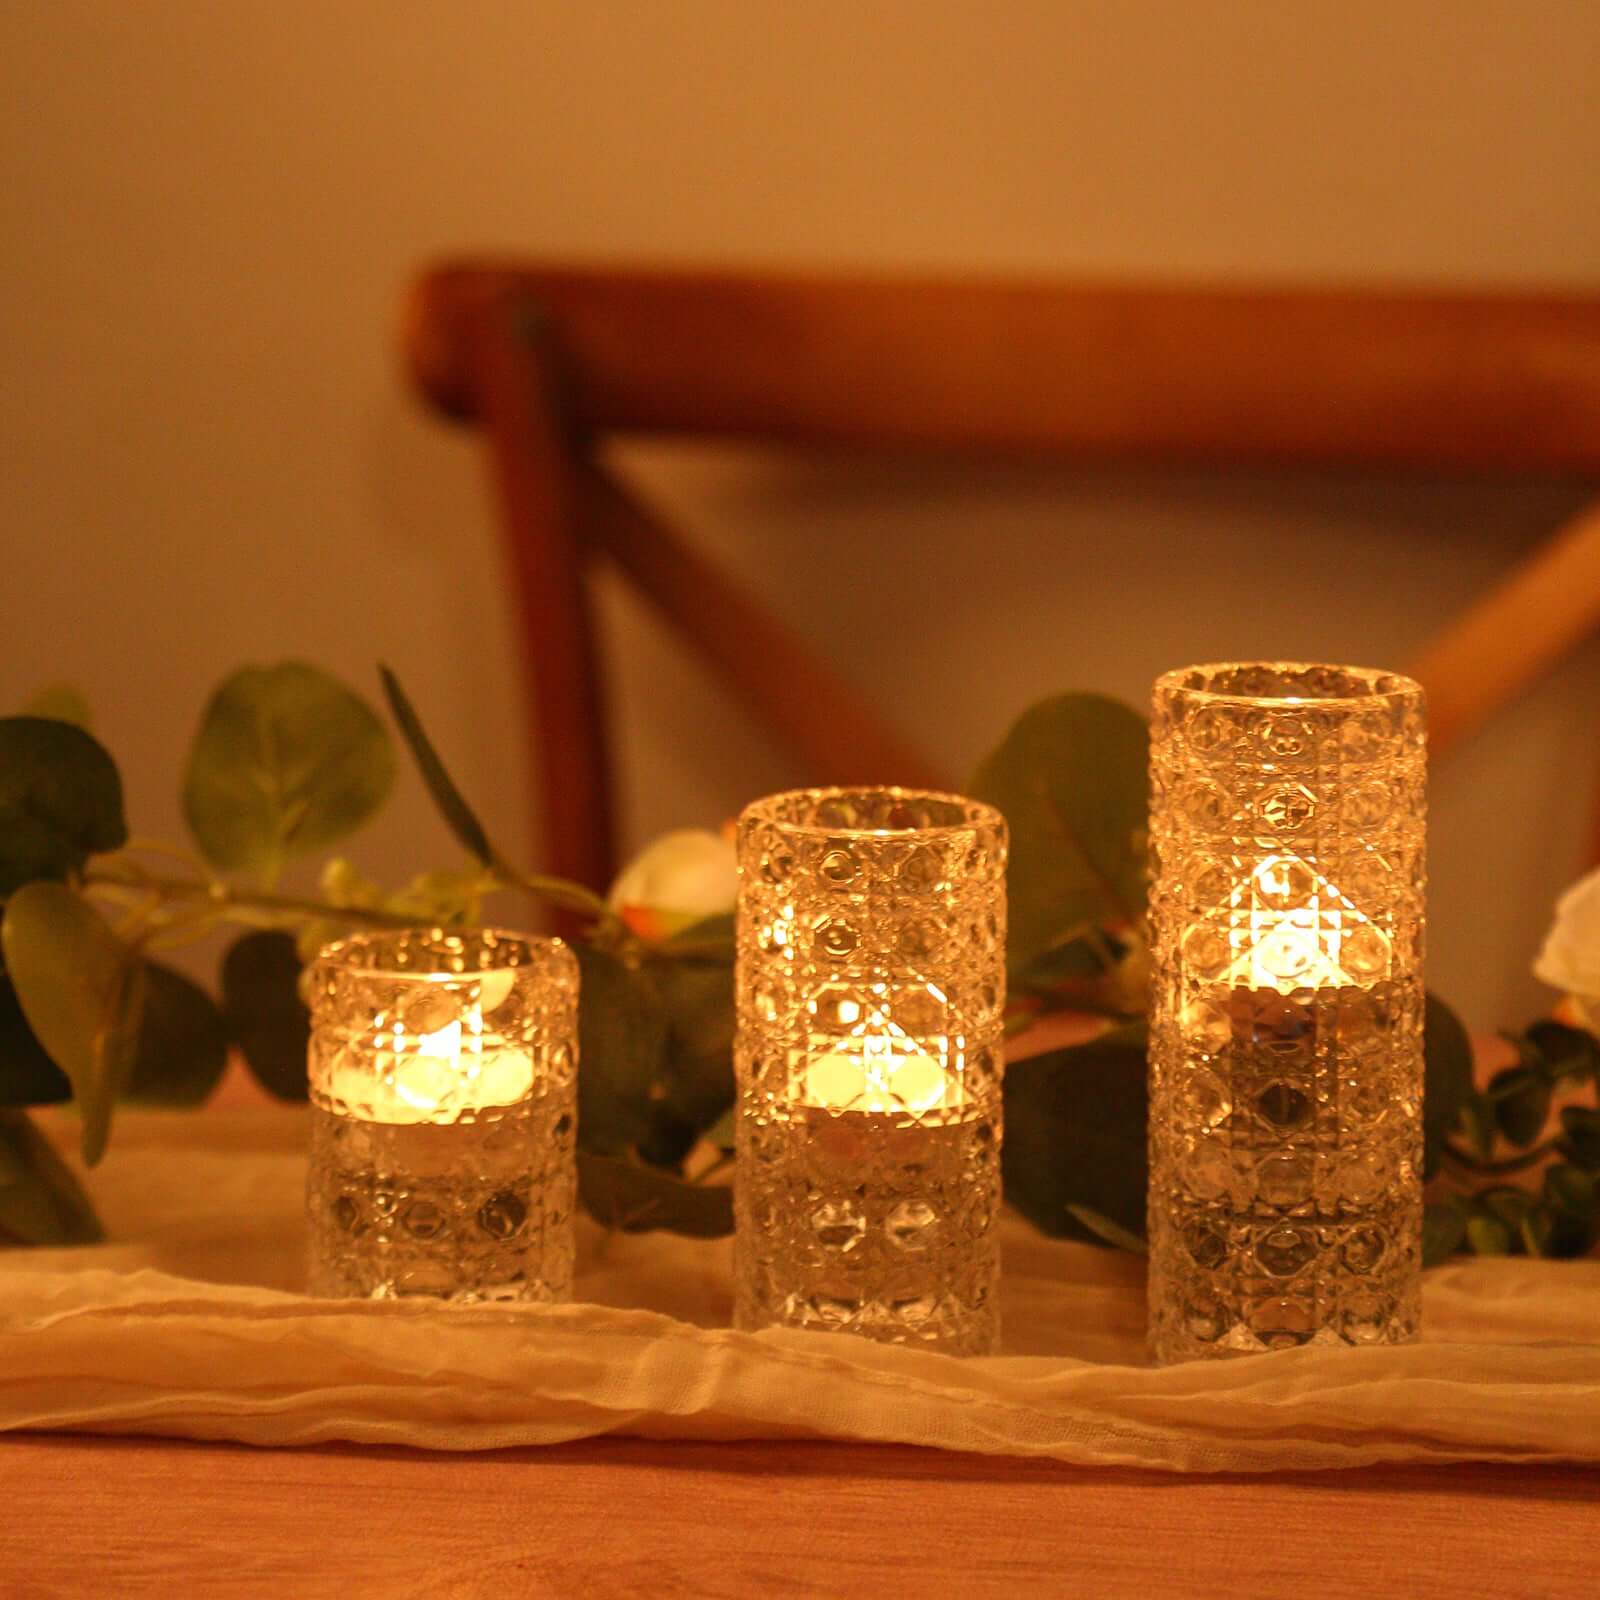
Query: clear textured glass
(871,983)
(1287,825)
(443,1071)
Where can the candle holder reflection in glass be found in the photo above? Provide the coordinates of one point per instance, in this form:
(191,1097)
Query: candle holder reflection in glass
(870,987)
(1287,823)
(443,1116)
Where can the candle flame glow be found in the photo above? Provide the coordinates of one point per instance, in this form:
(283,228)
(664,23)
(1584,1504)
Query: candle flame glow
(1290,928)
(444,1072)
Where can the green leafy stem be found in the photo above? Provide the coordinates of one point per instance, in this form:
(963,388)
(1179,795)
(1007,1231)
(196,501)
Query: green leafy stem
(288,762)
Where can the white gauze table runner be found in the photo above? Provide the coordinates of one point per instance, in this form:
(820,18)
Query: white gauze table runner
(190,1323)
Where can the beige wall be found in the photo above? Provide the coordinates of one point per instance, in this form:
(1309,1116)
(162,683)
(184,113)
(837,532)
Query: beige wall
(208,207)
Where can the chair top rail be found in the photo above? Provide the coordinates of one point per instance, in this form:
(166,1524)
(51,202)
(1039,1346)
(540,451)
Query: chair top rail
(1474,380)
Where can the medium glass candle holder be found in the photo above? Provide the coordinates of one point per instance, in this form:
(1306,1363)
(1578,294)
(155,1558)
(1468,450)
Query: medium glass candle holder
(1287,823)
(443,1070)
(871,982)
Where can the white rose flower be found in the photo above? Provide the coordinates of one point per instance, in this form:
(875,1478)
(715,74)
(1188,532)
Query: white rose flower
(1570,959)
(680,879)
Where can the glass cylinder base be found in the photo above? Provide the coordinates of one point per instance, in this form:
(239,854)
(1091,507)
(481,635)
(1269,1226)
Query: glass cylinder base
(871,1224)
(442,1074)
(1285,1203)
(870,990)
(476,1211)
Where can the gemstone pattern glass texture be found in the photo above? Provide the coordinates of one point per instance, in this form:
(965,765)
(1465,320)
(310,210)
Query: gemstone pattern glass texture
(1287,831)
(443,1070)
(870,991)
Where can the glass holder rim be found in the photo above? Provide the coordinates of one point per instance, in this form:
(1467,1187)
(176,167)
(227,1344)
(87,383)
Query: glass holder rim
(1386,686)
(336,951)
(766,811)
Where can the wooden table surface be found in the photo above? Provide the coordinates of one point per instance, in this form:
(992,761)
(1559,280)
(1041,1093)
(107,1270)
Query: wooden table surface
(133,1517)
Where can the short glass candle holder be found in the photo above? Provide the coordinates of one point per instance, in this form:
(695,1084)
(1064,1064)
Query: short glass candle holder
(443,1070)
(1287,824)
(870,991)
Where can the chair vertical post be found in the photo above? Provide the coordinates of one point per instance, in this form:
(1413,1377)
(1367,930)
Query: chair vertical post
(531,465)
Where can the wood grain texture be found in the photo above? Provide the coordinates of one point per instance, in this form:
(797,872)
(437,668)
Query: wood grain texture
(135,1517)
(1479,381)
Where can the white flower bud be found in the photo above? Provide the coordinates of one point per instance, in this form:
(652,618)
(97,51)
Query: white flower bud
(1570,959)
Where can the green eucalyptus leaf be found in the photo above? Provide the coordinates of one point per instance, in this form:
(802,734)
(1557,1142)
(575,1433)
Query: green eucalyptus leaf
(1444,1231)
(287,761)
(1556,1235)
(1108,1232)
(1075,1135)
(1072,963)
(1572,1190)
(81,990)
(263,1012)
(622,1033)
(635,1198)
(41,1201)
(1571,1238)
(1489,1236)
(695,1085)
(1447,1085)
(1535,1230)
(1572,1199)
(61,702)
(710,939)
(1521,1098)
(1505,1202)
(1476,1119)
(1580,1127)
(1564,1049)
(458,815)
(183,1042)
(60,800)
(28,1077)
(1071,778)
(440,898)
(723,1133)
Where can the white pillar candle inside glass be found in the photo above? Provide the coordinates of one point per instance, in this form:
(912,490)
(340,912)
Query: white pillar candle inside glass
(870,988)
(443,1073)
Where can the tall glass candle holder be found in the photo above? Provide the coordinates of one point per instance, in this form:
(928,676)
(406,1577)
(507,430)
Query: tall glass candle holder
(1287,823)
(871,982)
(443,1071)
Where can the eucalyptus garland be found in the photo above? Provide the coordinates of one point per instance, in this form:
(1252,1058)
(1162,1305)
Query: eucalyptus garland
(288,762)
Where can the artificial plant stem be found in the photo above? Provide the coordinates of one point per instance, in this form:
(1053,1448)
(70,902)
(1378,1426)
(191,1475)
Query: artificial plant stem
(138,845)
(558,891)
(225,897)
(184,927)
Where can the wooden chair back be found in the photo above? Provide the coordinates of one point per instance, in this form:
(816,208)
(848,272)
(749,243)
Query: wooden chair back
(550,360)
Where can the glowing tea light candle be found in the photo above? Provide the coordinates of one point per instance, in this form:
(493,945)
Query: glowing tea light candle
(437,1075)
(1298,931)
(878,1079)
(870,986)
(443,1116)
(1286,1033)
